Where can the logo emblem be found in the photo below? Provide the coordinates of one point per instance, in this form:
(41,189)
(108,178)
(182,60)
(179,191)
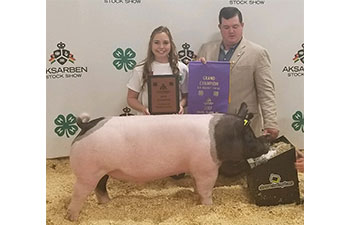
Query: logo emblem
(163,87)
(274,178)
(61,55)
(275,183)
(66,125)
(126,60)
(186,55)
(295,70)
(126,111)
(299,121)
(299,55)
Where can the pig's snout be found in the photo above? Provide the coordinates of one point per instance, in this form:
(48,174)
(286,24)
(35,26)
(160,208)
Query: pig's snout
(260,147)
(264,145)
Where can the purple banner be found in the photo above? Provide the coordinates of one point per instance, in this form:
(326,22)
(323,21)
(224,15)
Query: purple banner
(208,87)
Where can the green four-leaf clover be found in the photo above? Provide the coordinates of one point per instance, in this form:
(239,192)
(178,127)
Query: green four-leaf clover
(66,125)
(299,121)
(124,60)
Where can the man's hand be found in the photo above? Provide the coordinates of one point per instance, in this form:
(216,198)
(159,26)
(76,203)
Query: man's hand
(202,59)
(272,132)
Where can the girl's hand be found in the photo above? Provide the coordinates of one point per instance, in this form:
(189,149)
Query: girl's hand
(181,111)
(145,111)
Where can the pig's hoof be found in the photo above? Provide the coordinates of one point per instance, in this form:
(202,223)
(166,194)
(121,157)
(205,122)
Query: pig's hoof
(102,199)
(71,216)
(206,201)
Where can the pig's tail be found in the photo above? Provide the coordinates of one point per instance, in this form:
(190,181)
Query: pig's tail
(83,118)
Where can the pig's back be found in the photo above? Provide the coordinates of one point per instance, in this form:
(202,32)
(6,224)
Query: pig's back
(147,134)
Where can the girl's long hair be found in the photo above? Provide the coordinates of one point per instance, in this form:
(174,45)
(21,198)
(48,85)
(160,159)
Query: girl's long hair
(172,57)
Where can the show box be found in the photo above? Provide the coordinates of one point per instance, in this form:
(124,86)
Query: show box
(273,179)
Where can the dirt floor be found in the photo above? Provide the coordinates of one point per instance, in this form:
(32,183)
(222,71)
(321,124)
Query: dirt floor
(165,201)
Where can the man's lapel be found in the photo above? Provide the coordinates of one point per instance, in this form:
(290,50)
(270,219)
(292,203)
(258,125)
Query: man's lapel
(238,53)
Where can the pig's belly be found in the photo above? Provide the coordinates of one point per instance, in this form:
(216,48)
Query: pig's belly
(145,175)
(145,168)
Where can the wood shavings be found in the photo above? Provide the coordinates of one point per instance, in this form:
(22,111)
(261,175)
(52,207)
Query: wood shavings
(165,202)
(275,150)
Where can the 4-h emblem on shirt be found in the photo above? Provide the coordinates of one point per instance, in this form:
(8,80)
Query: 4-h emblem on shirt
(298,121)
(126,60)
(61,55)
(66,125)
(186,55)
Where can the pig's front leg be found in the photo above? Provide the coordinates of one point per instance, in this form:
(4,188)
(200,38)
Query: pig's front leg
(204,184)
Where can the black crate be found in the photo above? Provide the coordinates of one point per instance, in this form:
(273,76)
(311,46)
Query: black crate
(276,181)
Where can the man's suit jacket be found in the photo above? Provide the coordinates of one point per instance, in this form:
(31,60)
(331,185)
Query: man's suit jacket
(250,81)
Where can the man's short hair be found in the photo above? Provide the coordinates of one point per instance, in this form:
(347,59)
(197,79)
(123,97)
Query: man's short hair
(229,12)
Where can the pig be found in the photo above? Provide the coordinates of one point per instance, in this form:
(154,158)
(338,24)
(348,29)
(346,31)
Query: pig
(145,148)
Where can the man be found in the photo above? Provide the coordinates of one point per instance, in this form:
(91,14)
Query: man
(250,73)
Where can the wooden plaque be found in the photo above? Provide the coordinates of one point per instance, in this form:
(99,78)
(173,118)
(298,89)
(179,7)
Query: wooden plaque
(163,94)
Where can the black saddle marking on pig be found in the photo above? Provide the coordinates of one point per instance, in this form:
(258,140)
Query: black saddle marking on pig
(231,169)
(235,139)
(228,138)
(87,126)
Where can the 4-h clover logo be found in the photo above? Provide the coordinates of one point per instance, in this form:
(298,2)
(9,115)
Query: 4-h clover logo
(66,125)
(124,60)
(299,121)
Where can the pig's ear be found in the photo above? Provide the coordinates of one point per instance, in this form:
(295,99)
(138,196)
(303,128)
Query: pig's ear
(243,110)
(247,119)
(250,116)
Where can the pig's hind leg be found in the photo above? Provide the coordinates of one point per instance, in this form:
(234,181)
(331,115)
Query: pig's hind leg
(101,191)
(80,193)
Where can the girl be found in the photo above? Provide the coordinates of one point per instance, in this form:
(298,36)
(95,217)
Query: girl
(161,59)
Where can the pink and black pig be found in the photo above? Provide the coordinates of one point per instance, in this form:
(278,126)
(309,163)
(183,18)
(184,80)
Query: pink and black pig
(146,148)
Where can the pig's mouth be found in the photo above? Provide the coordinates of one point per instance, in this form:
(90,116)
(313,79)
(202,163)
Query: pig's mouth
(266,148)
(261,150)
